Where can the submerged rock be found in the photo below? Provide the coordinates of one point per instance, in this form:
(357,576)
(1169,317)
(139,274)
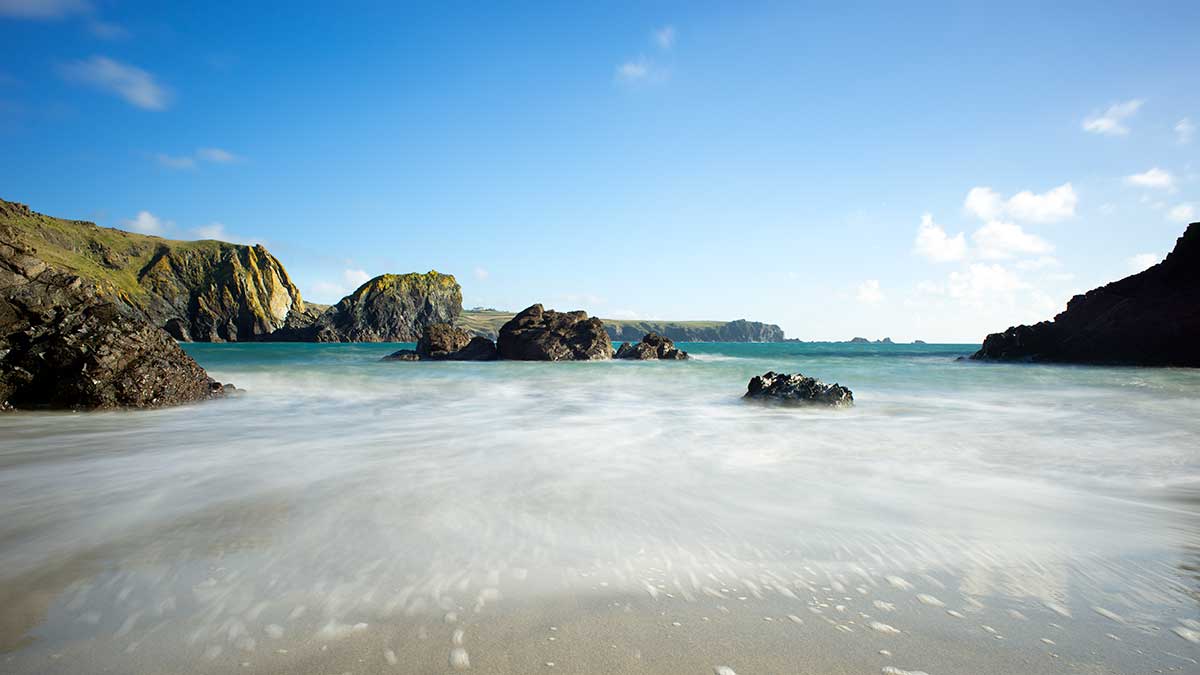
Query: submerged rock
(1151,318)
(444,342)
(652,346)
(799,389)
(67,342)
(538,334)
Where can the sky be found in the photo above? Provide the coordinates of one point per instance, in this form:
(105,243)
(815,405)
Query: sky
(913,170)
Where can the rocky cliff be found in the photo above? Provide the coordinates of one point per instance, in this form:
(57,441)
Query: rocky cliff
(388,308)
(75,343)
(1151,318)
(487,323)
(196,290)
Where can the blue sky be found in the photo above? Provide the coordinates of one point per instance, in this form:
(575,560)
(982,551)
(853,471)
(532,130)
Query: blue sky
(934,171)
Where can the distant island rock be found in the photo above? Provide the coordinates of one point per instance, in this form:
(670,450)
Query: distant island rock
(487,322)
(71,343)
(797,389)
(1151,318)
(859,341)
(388,308)
(445,342)
(919,342)
(538,334)
(651,347)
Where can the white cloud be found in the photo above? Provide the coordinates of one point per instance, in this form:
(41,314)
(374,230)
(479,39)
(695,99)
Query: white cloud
(355,278)
(172,162)
(481,273)
(131,83)
(212,231)
(623,314)
(933,242)
(107,30)
(869,292)
(1185,131)
(665,37)
(633,71)
(43,9)
(1154,178)
(1111,121)
(217,155)
(1000,240)
(1183,213)
(1142,261)
(326,292)
(1044,262)
(982,283)
(1051,206)
(147,223)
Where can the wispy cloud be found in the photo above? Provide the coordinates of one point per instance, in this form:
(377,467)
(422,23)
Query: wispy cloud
(481,273)
(1111,122)
(43,9)
(173,162)
(355,278)
(1183,213)
(869,292)
(136,86)
(1142,261)
(665,37)
(217,155)
(219,232)
(213,155)
(633,71)
(1185,131)
(147,223)
(1155,178)
(107,30)
(1047,207)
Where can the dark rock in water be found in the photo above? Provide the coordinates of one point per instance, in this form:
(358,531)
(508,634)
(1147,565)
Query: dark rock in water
(919,342)
(885,341)
(859,340)
(444,342)
(1151,319)
(538,334)
(652,346)
(389,308)
(67,342)
(798,389)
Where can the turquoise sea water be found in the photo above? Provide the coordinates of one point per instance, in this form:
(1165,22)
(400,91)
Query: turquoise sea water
(962,516)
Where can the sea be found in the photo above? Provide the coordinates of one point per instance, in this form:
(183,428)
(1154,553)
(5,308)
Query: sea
(342,514)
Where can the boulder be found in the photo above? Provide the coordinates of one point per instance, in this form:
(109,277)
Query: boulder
(538,334)
(1151,318)
(444,342)
(798,389)
(652,346)
(69,343)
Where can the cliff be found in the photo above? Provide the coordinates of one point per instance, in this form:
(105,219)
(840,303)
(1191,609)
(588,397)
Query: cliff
(196,290)
(388,308)
(1151,318)
(487,323)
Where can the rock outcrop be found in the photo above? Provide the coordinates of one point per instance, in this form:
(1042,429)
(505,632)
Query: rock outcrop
(797,389)
(71,343)
(196,290)
(1151,319)
(444,342)
(652,346)
(696,331)
(389,308)
(538,334)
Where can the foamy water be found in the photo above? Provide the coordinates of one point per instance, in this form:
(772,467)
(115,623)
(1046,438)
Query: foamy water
(351,515)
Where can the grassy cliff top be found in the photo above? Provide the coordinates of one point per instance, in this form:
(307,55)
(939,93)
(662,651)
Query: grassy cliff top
(431,280)
(93,252)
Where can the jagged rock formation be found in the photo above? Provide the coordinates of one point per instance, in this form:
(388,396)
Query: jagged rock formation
(652,346)
(70,342)
(538,334)
(1151,318)
(388,308)
(797,389)
(196,290)
(444,342)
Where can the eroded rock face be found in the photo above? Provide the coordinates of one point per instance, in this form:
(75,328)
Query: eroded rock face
(797,389)
(391,308)
(538,334)
(444,342)
(1151,318)
(652,346)
(66,342)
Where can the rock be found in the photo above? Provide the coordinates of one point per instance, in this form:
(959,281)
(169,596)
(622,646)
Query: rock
(1150,319)
(696,331)
(197,290)
(391,308)
(919,342)
(798,389)
(859,340)
(67,342)
(444,342)
(538,334)
(652,346)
